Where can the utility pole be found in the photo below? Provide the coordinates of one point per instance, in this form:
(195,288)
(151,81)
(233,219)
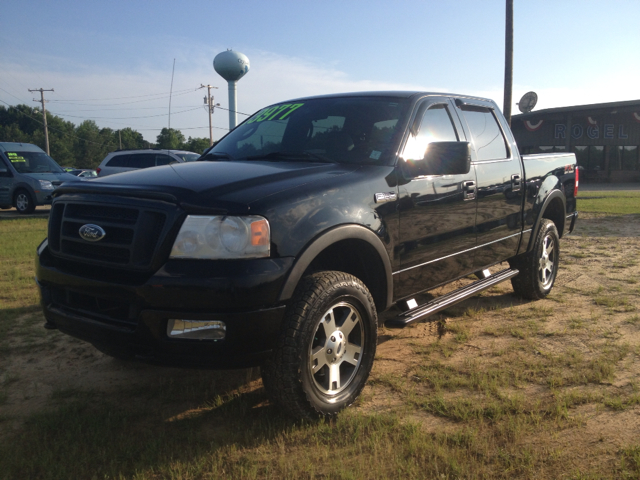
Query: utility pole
(208,101)
(508,61)
(44,114)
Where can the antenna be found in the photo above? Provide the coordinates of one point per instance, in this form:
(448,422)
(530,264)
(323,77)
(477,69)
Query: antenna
(171,90)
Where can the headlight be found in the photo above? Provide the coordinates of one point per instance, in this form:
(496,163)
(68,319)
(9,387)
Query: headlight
(222,237)
(45,185)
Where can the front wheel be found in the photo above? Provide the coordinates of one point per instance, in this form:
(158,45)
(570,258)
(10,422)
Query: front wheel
(538,269)
(24,202)
(326,348)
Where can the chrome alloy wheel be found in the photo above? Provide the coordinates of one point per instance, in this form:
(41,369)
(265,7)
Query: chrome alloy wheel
(336,351)
(546,264)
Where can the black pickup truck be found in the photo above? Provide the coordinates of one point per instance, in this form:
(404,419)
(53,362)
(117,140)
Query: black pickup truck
(284,242)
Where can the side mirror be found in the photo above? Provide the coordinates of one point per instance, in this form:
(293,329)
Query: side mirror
(446,158)
(3,169)
(442,158)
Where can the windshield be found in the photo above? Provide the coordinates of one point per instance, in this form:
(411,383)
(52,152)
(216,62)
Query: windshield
(187,157)
(33,162)
(361,130)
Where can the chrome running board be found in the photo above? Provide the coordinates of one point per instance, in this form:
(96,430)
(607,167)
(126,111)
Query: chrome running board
(449,299)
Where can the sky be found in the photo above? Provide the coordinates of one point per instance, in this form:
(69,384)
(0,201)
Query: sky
(111,62)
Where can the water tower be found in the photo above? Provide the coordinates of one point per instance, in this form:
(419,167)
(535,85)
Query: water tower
(231,66)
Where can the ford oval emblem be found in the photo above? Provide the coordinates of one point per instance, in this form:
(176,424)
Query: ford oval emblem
(92,233)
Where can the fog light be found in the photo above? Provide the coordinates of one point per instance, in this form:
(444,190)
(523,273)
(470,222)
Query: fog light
(196,329)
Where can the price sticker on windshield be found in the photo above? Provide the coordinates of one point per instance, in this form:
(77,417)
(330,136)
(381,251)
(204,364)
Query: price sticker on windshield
(279,112)
(15,158)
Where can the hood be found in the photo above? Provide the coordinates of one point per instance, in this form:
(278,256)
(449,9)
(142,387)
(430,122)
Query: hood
(55,178)
(217,184)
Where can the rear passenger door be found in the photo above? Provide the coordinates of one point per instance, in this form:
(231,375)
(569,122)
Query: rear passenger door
(499,175)
(437,212)
(142,160)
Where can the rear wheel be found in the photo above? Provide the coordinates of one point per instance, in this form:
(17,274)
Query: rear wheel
(24,202)
(538,269)
(326,349)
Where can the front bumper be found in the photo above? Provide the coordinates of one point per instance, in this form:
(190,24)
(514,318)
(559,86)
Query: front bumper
(43,197)
(130,320)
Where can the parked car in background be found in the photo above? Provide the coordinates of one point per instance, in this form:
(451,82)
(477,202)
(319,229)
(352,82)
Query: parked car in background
(88,174)
(28,176)
(127,160)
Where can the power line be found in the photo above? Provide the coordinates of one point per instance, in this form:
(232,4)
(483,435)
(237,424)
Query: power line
(125,118)
(141,127)
(122,98)
(247,114)
(57,129)
(123,103)
(132,108)
(9,93)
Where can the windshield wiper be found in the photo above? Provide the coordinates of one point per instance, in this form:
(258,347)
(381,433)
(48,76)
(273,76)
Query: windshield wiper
(215,156)
(289,156)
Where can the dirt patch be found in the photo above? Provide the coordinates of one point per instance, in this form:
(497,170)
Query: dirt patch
(573,357)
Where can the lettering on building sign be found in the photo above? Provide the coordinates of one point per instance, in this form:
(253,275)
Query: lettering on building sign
(592,131)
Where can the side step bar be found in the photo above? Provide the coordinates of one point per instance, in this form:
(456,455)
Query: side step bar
(449,299)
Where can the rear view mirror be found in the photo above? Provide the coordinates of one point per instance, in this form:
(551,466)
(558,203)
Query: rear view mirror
(445,158)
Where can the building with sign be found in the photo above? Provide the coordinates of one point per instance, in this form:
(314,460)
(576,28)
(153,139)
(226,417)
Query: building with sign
(605,137)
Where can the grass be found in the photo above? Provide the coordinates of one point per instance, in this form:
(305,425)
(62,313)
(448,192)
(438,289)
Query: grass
(507,409)
(20,238)
(610,202)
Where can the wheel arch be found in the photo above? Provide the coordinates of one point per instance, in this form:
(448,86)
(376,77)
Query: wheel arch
(23,186)
(553,208)
(352,249)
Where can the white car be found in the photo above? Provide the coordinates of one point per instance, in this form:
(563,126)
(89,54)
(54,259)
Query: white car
(127,160)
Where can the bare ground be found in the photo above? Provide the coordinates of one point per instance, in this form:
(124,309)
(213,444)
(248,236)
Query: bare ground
(593,309)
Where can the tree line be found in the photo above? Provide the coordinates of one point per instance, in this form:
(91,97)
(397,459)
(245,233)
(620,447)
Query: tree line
(85,145)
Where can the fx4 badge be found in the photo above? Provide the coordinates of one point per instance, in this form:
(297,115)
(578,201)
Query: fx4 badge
(385,197)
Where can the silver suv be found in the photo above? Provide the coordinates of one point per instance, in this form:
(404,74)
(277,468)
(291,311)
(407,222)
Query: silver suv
(126,160)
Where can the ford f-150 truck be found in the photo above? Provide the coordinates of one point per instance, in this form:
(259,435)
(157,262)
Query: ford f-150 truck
(284,242)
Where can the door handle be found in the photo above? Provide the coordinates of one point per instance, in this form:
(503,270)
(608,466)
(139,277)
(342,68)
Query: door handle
(516,183)
(469,189)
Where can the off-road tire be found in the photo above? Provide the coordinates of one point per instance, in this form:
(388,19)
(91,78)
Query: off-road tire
(24,202)
(326,348)
(538,268)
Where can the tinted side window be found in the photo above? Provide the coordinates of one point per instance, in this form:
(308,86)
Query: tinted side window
(435,126)
(487,136)
(164,160)
(142,160)
(119,161)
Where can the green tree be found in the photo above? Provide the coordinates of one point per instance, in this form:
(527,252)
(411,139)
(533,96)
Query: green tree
(92,144)
(196,145)
(170,138)
(130,138)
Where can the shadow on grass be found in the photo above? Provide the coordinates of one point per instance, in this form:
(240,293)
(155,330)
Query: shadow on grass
(142,431)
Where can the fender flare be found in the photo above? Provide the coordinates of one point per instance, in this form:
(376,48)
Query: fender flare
(556,193)
(337,234)
(25,186)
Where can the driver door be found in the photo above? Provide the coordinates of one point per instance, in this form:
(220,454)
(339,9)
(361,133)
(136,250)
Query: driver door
(437,212)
